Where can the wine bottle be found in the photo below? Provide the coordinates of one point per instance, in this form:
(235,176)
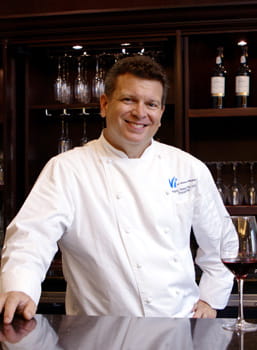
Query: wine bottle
(218,81)
(243,80)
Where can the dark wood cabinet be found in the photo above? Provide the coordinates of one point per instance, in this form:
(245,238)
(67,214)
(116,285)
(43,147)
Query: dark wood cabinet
(185,38)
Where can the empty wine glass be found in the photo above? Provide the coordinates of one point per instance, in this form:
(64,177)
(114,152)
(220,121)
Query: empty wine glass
(98,81)
(62,85)
(219,182)
(84,139)
(81,91)
(64,142)
(251,194)
(241,259)
(58,83)
(236,191)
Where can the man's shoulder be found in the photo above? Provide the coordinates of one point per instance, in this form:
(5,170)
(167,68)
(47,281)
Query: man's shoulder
(172,151)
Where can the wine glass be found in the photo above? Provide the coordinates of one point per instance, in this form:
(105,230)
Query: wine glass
(241,259)
(64,142)
(252,188)
(236,192)
(58,82)
(62,85)
(219,183)
(98,81)
(84,138)
(81,91)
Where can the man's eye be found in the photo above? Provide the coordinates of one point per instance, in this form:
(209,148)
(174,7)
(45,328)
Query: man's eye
(127,100)
(153,105)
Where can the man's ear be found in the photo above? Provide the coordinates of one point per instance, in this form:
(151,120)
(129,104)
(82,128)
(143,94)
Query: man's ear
(103,105)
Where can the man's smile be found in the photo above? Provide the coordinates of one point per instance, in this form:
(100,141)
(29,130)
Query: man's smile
(136,125)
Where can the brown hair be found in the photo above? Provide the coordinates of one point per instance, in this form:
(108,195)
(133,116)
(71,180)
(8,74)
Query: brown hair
(141,66)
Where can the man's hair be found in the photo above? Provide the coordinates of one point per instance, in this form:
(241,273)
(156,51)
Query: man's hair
(141,66)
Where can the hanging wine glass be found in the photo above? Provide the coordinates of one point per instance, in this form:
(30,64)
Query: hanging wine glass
(251,194)
(84,138)
(66,85)
(81,91)
(62,85)
(236,192)
(64,142)
(58,82)
(219,182)
(241,259)
(98,81)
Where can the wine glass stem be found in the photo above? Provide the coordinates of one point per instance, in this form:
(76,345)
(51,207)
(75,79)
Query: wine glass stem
(240,317)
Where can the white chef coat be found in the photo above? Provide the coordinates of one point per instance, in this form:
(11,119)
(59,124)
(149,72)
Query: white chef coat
(123,226)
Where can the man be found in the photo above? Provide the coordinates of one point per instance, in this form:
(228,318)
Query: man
(121,209)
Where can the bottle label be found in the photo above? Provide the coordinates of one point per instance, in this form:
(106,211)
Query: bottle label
(218,86)
(242,85)
(218,60)
(243,59)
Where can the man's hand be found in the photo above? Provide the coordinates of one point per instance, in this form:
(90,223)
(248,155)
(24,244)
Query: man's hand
(203,310)
(16,302)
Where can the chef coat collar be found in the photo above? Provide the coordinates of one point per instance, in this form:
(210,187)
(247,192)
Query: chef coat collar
(114,152)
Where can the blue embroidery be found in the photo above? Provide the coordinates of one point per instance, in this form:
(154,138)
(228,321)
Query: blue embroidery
(173,182)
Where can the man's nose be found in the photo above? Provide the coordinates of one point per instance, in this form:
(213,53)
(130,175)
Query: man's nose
(139,110)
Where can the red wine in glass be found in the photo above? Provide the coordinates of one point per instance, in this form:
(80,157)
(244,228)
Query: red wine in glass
(241,267)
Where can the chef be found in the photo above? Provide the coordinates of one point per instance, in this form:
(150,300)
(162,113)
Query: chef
(121,210)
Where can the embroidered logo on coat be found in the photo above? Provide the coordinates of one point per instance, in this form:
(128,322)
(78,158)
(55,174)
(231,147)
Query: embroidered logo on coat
(173,182)
(181,186)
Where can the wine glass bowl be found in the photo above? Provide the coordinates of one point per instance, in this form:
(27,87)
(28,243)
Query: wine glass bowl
(236,190)
(62,84)
(98,80)
(81,89)
(251,192)
(241,259)
(222,188)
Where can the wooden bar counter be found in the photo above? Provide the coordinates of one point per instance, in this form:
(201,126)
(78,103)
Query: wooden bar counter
(59,332)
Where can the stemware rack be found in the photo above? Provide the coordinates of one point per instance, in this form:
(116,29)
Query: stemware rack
(246,175)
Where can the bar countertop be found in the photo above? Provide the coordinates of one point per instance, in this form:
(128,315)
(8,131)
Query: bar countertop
(57,332)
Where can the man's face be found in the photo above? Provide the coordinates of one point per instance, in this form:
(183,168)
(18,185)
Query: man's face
(133,113)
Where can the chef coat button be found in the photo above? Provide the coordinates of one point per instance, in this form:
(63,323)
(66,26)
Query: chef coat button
(175,259)
(159,156)
(127,230)
(166,230)
(138,266)
(167,193)
(148,301)
(118,196)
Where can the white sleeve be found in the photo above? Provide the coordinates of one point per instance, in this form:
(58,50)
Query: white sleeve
(209,229)
(32,236)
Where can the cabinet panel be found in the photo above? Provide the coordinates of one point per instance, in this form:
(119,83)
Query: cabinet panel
(1,152)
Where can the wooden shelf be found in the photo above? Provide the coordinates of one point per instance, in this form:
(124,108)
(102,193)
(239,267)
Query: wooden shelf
(225,112)
(242,209)
(60,106)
